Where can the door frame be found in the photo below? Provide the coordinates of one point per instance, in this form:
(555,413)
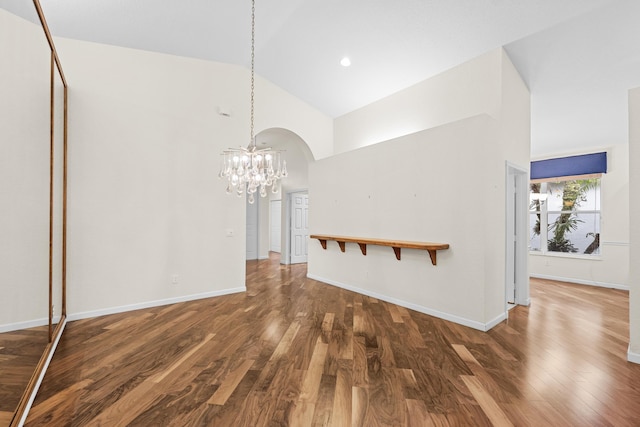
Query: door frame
(256,207)
(521,218)
(271,222)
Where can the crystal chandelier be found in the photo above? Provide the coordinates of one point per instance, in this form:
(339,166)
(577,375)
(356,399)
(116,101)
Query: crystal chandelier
(249,169)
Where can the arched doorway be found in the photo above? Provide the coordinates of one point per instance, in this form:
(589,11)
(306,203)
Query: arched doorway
(298,157)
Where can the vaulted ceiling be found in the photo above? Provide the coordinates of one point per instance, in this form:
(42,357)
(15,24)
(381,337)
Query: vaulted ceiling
(578,57)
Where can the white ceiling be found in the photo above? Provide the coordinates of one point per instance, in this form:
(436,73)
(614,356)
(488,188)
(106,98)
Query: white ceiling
(579,57)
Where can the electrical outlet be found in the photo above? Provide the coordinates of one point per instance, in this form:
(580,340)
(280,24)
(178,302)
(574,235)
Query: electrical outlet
(174,279)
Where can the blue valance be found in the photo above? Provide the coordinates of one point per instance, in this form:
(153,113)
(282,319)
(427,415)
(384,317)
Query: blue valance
(585,164)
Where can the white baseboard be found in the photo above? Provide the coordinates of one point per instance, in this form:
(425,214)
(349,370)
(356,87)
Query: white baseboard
(431,312)
(495,322)
(582,282)
(149,304)
(9,327)
(32,397)
(633,357)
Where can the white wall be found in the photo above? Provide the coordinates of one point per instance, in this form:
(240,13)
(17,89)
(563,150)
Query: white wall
(611,268)
(402,189)
(634,234)
(276,108)
(24,173)
(144,199)
(464,91)
(513,145)
(445,184)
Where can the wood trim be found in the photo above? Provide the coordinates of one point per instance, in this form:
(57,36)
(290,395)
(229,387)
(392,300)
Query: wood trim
(64,198)
(565,178)
(47,33)
(54,334)
(32,386)
(51,188)
(395,244)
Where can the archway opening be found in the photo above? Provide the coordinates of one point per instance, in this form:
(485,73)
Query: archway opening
(270,231)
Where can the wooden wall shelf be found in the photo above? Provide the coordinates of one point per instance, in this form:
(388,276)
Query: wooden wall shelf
(395,244)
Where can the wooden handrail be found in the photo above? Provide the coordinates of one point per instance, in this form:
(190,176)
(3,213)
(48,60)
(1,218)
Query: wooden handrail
(395,244)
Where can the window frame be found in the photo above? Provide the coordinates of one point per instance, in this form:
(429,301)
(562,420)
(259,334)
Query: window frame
(544,219)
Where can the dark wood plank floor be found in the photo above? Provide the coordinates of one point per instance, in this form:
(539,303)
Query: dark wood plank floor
(20,352)
(296,352)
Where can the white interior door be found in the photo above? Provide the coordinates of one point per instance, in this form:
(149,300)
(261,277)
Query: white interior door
(252,230)
(299,227)
(275,220)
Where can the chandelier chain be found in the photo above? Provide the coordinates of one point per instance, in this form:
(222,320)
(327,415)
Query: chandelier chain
(249,170)
(253,48)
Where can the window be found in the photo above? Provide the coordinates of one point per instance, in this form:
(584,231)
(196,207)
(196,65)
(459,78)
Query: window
(565,215)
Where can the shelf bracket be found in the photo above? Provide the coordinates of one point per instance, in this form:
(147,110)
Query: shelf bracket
(341,244)
(432,255)
(363,248)
(323,243)
(396,249)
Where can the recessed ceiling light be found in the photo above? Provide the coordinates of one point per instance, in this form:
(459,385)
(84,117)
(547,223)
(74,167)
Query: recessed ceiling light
(345,62)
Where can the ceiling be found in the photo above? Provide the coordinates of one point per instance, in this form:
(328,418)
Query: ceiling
(578,57)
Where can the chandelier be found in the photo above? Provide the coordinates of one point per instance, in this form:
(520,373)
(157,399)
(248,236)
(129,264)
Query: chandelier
(248,169)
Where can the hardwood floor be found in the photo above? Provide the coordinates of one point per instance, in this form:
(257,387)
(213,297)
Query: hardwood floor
(296,352)
(20,352)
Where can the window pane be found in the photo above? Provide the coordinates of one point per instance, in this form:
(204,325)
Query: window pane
(574,232)
(554,196)
(591,198)
(536,200)
(581,194)
(534,232)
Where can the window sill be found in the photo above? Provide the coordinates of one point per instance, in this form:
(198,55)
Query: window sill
(567,255)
